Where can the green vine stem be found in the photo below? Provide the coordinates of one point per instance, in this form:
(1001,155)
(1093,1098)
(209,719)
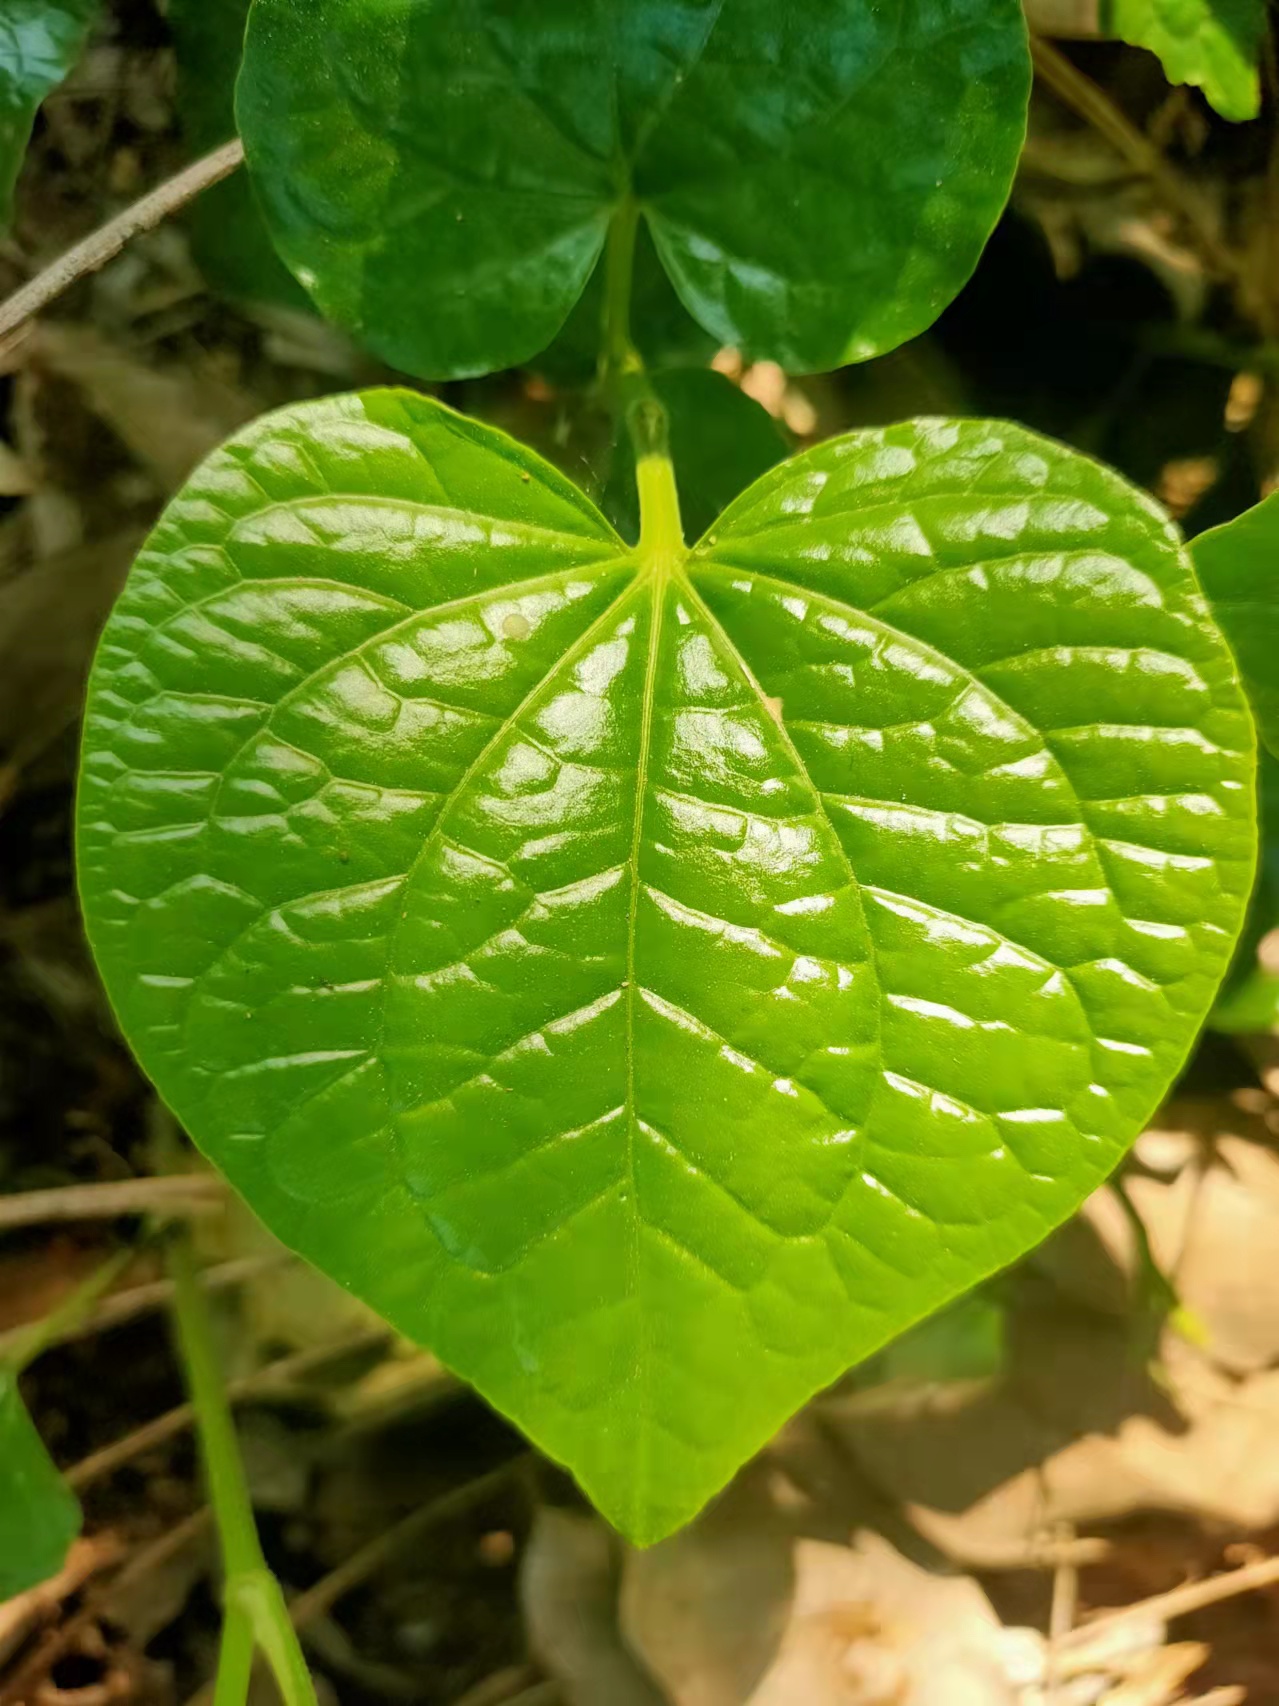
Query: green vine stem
(256,1616)
(66,1315)
(627,386)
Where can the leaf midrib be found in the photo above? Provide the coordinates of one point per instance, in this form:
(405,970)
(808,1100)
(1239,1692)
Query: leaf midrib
(656,584)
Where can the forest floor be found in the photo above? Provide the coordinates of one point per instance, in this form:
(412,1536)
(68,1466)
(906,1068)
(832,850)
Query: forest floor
(950,1525)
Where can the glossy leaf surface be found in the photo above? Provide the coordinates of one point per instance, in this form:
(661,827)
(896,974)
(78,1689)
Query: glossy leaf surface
(656,985)
(1214,44)
(39,1516)
(665,333)
(40,40)
(721,440)
(1249,1000)
(818,178)
(228,236)
(1238,566)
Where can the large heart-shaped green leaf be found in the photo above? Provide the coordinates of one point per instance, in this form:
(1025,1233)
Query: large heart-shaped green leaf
(1214,44)
(654,982)
(818,177)
(1238,564)
(40,40)
(39,1516)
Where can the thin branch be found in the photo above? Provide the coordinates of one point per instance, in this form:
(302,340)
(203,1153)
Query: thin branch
(320,1599)
(255,1615)
(137,1300)
(173,1422)
(98,248)
(159,1552)
(1179,1602)
(189,1194)
(1096,108)
(67,1317)
(20,1685)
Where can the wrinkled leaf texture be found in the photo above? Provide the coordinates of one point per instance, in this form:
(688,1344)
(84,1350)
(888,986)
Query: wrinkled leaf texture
(818,178)
(657,990)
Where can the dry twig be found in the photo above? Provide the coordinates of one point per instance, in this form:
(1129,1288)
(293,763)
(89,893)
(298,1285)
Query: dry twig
(357,1569)
(172,1422)
(184,1194)
(107,241)
(1179,1602)
(1096,108)
(135,1300)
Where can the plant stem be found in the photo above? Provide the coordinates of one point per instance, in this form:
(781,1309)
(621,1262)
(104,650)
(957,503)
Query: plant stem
(636,403)
(27,1343)
(235,1656)
(160,1429)
(661,530)
(618,354)
(254,1603)
(223,1468)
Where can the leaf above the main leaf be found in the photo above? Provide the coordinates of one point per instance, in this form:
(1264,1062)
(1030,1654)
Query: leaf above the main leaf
(1238,566)
(40,40)
(664,332)
(655,986)
(819,180)
(229,239)
(1214,44)
(39,1516)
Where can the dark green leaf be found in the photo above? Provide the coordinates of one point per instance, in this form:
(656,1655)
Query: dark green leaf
(1238,567)
(818,178)
(657,986)
(962,1342)
(40,40)
(721,440)
(665,333)
(39,1516)
(1214,44)
(228,237)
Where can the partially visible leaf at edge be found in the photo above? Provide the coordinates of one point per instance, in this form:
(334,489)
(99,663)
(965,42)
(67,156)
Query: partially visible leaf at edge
(39,1515)
(1249,1000)
(819,179)
(964,1342)
(229,238)
(653,986)
(40,41)
(1238,568)
(1214,44)
(721,440)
